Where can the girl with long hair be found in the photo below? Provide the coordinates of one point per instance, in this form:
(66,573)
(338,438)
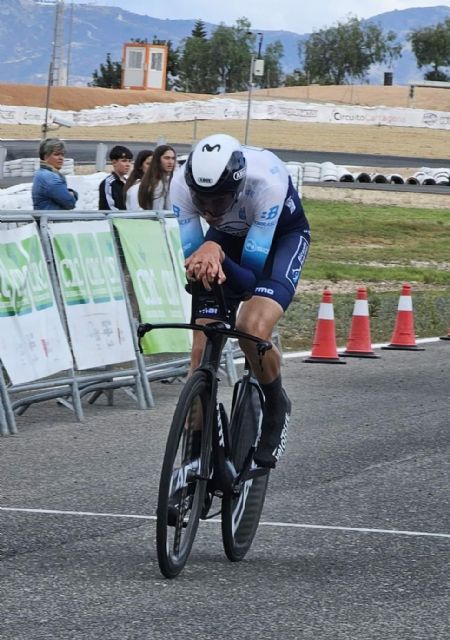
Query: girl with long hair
(153,192)
(130,188)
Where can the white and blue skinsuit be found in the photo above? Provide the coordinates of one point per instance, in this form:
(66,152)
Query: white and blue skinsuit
(265,235)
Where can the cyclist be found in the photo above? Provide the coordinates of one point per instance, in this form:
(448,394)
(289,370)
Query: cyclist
(256,243)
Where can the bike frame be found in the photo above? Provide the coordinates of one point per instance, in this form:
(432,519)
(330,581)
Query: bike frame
(225,478)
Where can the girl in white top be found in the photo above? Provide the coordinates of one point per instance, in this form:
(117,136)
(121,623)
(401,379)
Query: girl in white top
(153,192)
(130,189)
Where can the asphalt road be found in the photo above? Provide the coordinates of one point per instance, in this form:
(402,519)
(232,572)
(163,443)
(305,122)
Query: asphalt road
(354,543)
(84,151)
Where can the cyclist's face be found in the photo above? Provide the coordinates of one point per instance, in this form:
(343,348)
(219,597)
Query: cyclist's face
(212,208)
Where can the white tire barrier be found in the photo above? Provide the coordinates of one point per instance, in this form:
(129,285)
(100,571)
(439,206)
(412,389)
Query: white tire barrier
(328,172)
(395,178)
(362,177)
(311,171)
(344,175)
(420,176)
(26,167)
(442,176)
(378,178)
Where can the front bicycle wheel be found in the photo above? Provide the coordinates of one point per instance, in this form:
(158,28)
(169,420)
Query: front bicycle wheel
(242,509)
(184,476)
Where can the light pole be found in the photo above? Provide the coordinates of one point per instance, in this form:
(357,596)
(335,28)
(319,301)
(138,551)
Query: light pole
(54,69)
(69,44)
(258,70)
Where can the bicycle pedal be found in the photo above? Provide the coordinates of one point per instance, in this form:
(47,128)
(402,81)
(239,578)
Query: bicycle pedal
(206,505)
(254,473)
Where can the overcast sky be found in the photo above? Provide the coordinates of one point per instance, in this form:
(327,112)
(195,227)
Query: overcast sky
(288,15)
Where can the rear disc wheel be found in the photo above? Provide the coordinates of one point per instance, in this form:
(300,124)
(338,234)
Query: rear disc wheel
(241,511)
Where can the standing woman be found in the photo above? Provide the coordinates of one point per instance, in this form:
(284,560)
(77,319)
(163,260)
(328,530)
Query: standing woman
(130,189)
(49,190)
(153,192)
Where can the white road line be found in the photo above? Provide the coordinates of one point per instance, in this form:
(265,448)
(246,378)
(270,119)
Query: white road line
(304,354)
(79,513)
(285,525)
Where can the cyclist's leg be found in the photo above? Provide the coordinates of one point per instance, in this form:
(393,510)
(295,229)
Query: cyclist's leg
(259,316)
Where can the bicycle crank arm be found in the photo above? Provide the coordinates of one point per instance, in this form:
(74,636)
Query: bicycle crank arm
(254,473)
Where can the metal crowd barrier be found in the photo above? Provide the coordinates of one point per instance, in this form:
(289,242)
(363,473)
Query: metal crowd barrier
(69,387)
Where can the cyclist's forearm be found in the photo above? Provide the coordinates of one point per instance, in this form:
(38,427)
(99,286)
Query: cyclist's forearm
(239,279)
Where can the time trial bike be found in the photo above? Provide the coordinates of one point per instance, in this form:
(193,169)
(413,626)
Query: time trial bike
(209,455)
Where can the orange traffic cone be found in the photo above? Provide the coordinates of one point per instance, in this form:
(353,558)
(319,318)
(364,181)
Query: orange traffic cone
(447,337)
(359,343)
(404,336)
(324,343)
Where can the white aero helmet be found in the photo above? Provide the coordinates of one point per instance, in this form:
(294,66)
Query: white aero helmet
(215,173)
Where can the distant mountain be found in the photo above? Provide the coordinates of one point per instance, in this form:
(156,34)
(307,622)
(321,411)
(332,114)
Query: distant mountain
(26,35)
(402,22)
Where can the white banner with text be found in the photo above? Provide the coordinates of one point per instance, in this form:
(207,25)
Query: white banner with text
(91,288)
(232,109)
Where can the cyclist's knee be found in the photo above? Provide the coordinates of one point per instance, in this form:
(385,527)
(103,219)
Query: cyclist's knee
(255,326)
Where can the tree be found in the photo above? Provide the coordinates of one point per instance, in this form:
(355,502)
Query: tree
(231,54)
(345,52)
(222,62)
(195,71)
(109,76)
(431,46)
(273,73)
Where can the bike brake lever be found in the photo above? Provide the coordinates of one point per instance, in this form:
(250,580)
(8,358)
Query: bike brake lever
(141,331)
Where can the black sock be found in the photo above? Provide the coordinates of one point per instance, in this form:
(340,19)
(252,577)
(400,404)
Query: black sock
(272,392)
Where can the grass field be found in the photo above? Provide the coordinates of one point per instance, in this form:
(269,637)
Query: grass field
(375,244)
(379,248)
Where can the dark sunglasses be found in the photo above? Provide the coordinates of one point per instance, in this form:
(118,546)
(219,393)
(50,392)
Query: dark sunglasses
(216,206)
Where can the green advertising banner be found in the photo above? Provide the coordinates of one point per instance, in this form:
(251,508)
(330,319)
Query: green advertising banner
(33,344)
(88,267)
(176,250)
(155,284)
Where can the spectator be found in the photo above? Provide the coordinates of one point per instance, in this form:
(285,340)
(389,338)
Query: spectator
(153,192)
(111,188)
(130,189)
(49,190)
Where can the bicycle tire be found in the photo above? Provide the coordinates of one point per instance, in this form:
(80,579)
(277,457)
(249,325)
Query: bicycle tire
(178,510)
(241,513)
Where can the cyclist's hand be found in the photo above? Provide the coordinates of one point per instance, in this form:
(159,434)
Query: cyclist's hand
(205,264)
